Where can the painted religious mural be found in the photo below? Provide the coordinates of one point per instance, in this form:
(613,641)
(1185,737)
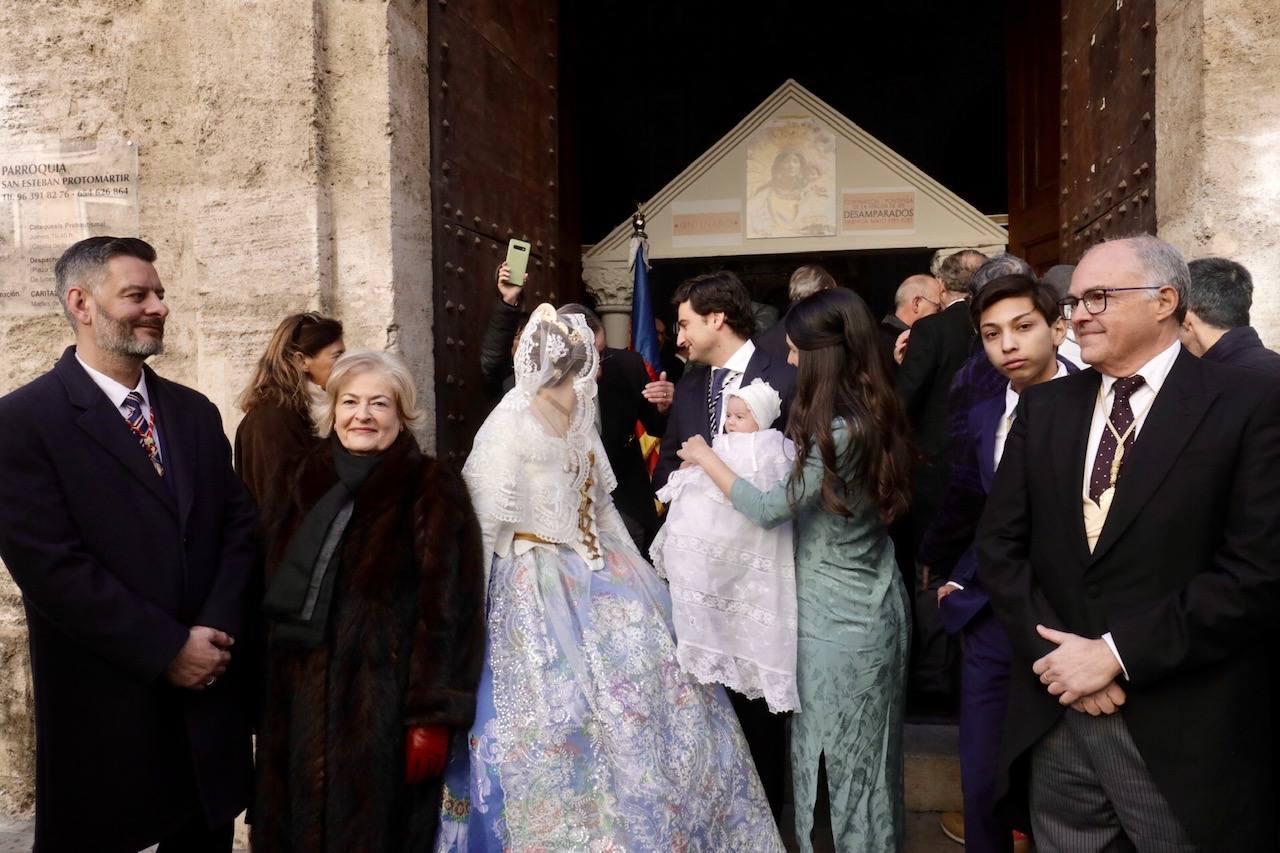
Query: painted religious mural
(791,180)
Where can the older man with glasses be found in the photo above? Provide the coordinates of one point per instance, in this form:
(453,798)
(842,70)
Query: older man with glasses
(1131,546)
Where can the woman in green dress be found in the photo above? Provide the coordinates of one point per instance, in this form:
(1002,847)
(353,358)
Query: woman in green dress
(849,482)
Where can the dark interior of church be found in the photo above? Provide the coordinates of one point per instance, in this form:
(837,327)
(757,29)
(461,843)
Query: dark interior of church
(647,88)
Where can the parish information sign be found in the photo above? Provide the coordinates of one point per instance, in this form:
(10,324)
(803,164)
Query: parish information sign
(52,195)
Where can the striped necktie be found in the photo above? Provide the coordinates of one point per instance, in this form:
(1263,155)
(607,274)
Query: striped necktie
(143,428)
(715,396)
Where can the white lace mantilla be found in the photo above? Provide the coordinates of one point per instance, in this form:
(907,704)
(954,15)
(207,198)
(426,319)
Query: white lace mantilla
(733,584)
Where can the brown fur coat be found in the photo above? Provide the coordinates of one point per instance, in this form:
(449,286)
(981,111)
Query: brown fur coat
(405,647)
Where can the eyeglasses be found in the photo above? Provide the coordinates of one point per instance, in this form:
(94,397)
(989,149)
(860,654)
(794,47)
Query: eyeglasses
(1095,300)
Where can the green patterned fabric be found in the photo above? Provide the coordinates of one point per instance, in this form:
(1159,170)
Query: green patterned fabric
(851,669)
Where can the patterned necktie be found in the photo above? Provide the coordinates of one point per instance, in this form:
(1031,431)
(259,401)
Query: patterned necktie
(715,396)
(143,428)
(1121,422)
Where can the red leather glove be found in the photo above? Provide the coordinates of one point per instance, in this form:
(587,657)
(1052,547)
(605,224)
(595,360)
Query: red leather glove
(425,751)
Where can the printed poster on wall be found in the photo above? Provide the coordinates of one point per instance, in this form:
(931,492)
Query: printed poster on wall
(52,195)
(877,210)
(791,180)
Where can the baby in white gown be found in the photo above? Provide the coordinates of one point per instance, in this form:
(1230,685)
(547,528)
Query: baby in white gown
(733,584)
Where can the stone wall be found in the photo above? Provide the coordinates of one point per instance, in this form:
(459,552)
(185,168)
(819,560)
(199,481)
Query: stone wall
(1218,138)
(284,159)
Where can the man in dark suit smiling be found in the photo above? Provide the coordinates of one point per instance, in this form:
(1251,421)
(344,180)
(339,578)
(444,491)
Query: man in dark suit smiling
(715,323)
(131,539)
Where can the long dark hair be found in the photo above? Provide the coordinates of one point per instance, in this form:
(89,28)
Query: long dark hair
(843,374)
(278,379)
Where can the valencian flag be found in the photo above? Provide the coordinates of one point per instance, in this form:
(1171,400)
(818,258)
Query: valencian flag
(644,334)
(644,331)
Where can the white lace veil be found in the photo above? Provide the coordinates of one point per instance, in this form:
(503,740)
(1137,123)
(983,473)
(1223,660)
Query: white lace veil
(518,473)
(555,349)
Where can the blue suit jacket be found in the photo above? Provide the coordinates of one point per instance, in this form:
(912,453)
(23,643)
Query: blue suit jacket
(948,543)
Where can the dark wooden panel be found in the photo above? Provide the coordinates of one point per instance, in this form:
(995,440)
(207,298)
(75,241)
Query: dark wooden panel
(1034,73)
(1108,131)
(493,68)
(525,32)
(496,142)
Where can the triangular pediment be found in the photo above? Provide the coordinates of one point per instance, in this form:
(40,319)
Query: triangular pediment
(796,176)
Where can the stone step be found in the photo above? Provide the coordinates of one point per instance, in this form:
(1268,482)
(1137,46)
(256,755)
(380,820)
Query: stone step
(932,767)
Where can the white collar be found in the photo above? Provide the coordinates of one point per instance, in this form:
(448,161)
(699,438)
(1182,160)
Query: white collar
(1011,396)
(115,392)
(739,360)
(1154,372)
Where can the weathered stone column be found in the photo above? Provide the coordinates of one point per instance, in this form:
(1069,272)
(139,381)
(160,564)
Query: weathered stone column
(610,282)
(1218,138)
(283,166)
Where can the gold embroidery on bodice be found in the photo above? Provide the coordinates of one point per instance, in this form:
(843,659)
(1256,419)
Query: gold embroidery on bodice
(585,504)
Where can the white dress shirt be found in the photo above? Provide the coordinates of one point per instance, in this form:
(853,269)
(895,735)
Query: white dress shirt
(117,393)
(1070,350)
(1154,372)
(1010,406)
(736,364)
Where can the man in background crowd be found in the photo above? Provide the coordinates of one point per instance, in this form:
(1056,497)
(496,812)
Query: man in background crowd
(672,363)
(938,346)
(918,296)
(805,281)
(1217,327)
(1059,278)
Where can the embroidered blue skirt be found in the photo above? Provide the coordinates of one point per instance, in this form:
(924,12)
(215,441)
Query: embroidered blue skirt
(587,735)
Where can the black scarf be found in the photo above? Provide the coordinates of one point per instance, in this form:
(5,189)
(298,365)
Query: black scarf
(301,593)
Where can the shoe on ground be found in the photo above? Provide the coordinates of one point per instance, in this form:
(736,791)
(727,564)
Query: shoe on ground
(952,825)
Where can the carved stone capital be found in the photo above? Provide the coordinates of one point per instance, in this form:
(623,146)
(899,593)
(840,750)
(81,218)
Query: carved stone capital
(610,283)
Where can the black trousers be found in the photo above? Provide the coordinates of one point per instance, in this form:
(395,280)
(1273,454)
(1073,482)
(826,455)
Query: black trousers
(766,736)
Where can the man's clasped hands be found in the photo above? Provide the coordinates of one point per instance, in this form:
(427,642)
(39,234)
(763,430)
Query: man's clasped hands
(1081,672)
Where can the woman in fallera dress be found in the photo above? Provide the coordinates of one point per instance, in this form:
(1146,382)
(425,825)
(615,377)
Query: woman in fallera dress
(849,481)
(587,735)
